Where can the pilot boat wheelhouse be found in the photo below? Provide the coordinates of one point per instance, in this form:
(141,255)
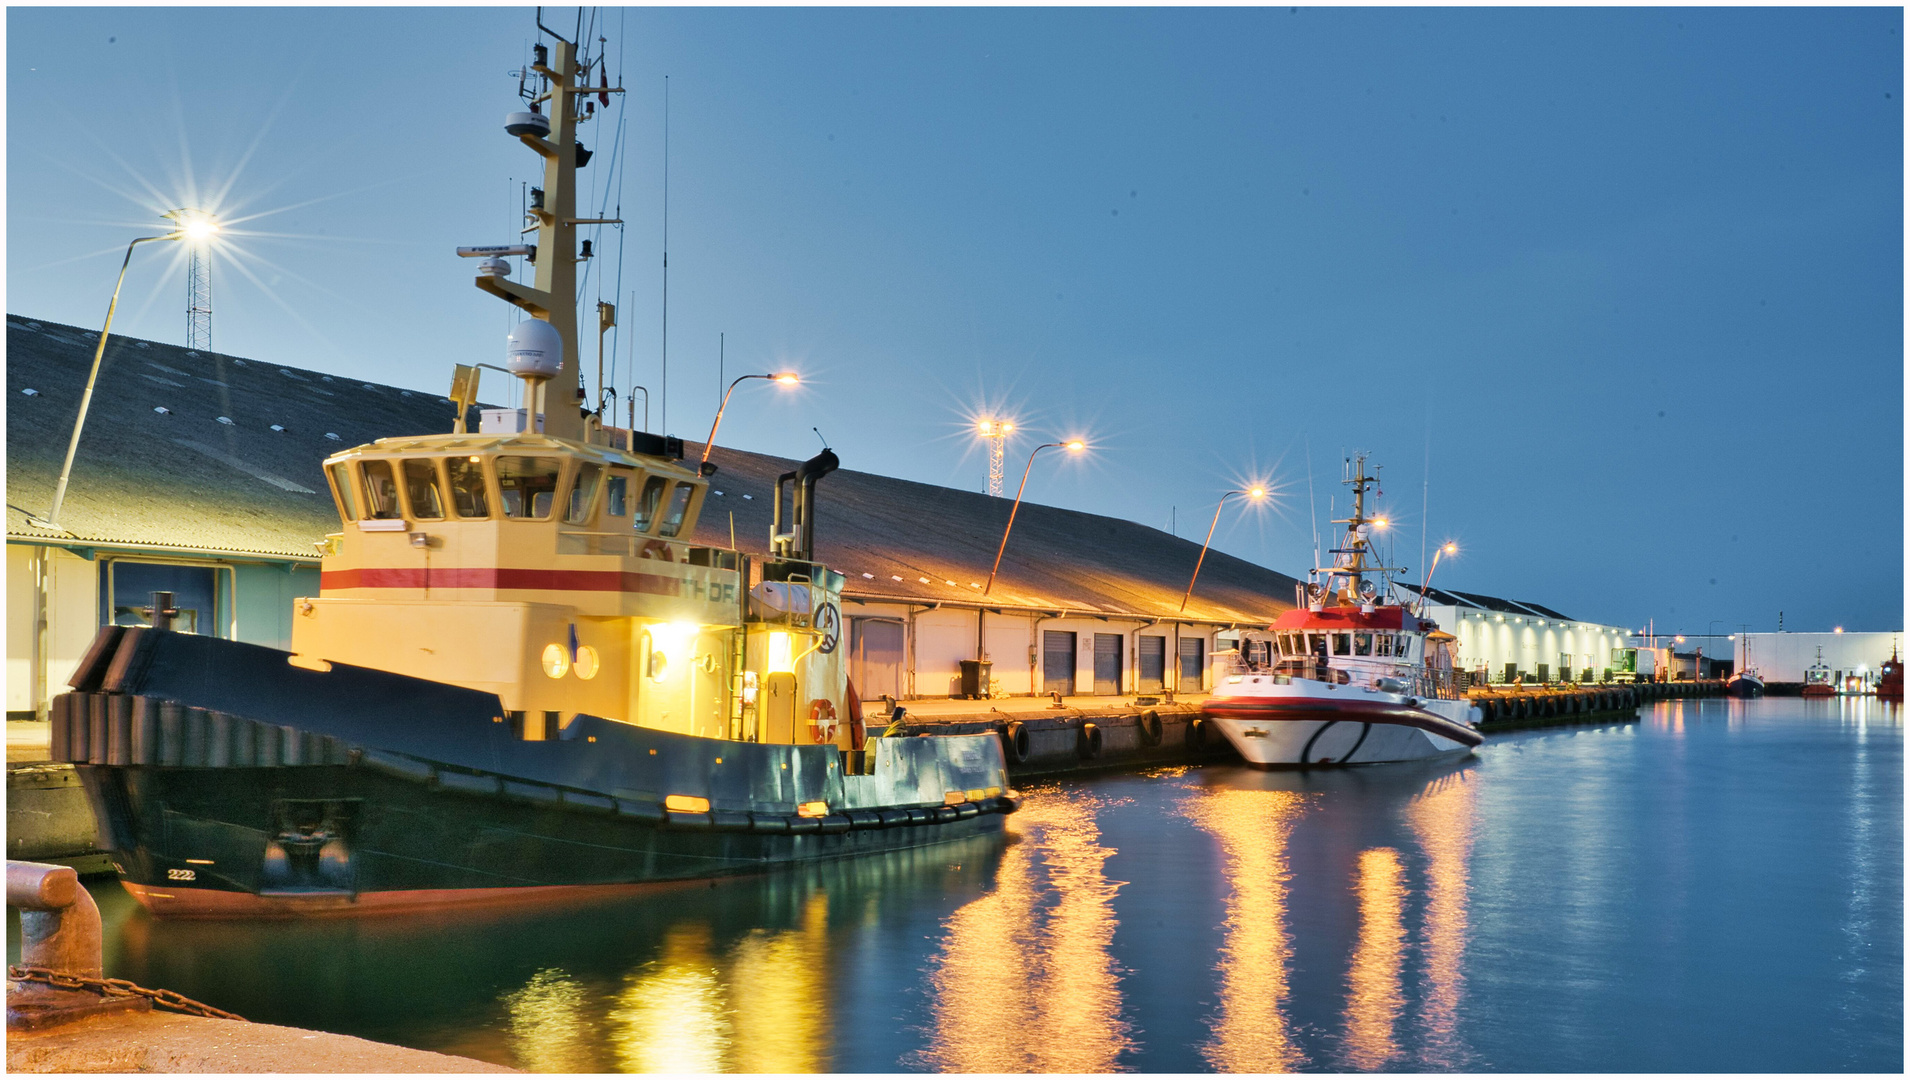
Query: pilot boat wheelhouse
(1350,677)
(519,679)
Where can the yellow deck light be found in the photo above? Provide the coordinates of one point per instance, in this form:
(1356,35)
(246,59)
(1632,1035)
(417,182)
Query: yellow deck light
(686,804)
(781,660)
(813,809)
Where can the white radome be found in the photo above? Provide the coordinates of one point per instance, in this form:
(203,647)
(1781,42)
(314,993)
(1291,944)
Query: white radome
(534,348)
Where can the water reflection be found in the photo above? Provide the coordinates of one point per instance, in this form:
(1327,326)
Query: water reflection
(1024,981)
(1442,820)
(1373,998)
(1254,1031)
(549,1028)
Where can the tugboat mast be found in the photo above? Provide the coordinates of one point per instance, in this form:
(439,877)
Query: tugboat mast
(554,218)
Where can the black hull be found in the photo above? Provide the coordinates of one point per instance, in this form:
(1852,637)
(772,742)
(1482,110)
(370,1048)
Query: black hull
(228,783)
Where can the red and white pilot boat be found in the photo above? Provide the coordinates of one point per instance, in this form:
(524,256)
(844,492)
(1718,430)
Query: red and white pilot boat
(1353,676)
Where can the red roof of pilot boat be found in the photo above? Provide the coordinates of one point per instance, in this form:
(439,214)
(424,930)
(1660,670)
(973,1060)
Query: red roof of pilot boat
(1390,617)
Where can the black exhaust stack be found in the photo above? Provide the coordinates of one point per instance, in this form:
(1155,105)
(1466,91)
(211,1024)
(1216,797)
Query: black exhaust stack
(798,541)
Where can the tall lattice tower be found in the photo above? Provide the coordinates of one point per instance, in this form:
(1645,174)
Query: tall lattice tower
(996,432)
(198,282)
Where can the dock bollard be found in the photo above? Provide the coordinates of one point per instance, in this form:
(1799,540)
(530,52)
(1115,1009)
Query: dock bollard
(59,923)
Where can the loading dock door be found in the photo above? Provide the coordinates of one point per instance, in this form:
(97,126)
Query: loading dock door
(1057,661)
(1153,650)
(1193,665)
(875,662)
(1107,664)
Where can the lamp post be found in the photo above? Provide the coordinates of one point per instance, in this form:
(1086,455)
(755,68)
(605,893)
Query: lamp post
(1073,446)
(787,378)
(195,227)
(1252,493)
(1447,548)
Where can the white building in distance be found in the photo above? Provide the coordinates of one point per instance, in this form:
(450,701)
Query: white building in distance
(1503,640)
(1854,658)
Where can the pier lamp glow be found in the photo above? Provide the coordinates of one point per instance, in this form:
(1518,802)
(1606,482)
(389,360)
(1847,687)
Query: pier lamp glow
(1254,493)
(1072,446)
(1447,548)
(781,378)
(195,226)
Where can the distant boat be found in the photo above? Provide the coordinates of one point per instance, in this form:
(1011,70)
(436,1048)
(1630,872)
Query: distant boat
(1817,681)
(1745,684)
(1890,678)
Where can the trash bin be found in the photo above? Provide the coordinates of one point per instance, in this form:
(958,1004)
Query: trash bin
(975,678)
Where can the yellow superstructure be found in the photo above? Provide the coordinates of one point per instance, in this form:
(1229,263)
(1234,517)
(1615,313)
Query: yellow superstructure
(559,576)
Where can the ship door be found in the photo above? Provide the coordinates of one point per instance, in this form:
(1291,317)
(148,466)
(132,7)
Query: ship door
(1107,665)
(779,707)
(1057,662)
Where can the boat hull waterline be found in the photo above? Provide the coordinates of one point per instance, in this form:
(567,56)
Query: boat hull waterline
(1330,728)
(228,782)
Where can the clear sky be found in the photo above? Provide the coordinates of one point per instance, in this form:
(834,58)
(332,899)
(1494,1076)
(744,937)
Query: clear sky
(1621,289)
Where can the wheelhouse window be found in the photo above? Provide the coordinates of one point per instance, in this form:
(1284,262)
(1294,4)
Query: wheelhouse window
(1342,644)
(1362,644)
(381,491)
(679,506)
(421,488)
(583,492)
(469,493)
(617,494)
(652,497)
(345,490)
(1382,644)
(527,486)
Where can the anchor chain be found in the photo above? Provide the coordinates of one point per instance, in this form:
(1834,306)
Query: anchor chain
(164,999)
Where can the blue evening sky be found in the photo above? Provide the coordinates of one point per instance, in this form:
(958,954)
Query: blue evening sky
(1634,275)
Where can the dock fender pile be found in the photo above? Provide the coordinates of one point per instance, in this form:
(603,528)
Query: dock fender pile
(1014,742)
(1197,733)
(1089,746)
(1151,728)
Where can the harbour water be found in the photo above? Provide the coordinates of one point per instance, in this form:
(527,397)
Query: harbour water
(1717,887)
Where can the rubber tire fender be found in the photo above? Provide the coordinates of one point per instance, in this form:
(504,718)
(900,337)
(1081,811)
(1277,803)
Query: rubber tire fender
(1014,742)
(1150,725)
(1089,746)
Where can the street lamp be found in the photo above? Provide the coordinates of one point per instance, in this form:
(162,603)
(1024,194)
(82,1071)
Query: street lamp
(786,378)
(1073,446)
(194,227)
(1255,493)
(1447,548)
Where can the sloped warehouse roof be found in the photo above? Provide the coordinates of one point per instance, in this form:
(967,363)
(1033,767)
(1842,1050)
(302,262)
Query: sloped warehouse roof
(158,467)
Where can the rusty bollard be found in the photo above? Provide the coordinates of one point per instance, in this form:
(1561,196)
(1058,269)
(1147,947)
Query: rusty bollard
(59,931)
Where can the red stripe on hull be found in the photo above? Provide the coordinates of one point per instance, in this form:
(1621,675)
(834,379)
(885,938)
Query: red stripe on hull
(496,577)
(1354,711)
(219,904)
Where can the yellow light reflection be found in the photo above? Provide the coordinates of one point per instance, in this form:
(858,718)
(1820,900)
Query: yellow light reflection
(779,985)
(780,653)
(549,1029)
(671,1016)
(1442,819)
(1253,1033)
(1024,981)
(1374,998)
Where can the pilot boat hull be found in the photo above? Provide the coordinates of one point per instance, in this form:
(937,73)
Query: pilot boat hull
(227,782)
(1305,724)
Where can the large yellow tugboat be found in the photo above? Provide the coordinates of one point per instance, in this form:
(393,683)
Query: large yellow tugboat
(519,678)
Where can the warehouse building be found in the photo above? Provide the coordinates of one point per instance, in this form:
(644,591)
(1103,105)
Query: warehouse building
(1854,659)
(1501,641)
(199,474)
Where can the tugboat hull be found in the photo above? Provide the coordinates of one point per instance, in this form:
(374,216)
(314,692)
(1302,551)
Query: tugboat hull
(228,781)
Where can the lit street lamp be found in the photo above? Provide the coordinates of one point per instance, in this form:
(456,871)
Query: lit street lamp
(786,378)
(1447,548)
(1073,446)
(1252,493)
(194,227)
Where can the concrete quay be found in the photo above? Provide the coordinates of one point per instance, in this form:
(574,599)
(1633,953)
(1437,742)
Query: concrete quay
(1082,734)
(155,1042)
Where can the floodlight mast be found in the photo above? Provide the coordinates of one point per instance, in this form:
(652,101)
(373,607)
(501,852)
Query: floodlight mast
(555,220)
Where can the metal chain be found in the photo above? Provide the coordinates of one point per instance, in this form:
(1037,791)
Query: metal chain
(165,999)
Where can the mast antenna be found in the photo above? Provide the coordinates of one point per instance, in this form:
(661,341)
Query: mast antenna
(663,411)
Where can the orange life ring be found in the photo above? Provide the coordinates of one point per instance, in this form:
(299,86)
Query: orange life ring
(822,720)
